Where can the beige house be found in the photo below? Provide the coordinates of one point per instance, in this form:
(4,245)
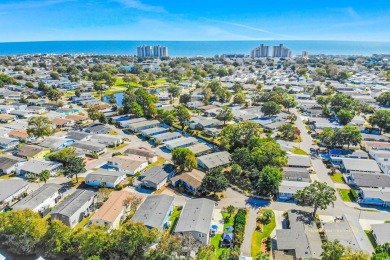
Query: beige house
(112,211)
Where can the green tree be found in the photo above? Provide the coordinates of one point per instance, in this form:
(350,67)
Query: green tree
(237,135)
(323,101)
(54,75)
(94,242)
(136,109)
(205,252)
(103,119)
(44,176)
(326,137)
(39,126)
(292,118)
(72,165)
(269,180)
(214,181)
(184,158)
(381,119)
(58,240)
(347,135)
(182,115)
(287,130)
(239,98)
(344,116)
(174,91)
(54,95)
(93,113)
(230,209)
(225,114)
(317,195)
(77,93)
(185,98)
(384,98)
(332,250)
(112,100)
(270,109)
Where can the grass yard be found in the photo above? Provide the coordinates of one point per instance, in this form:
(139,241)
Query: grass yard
(119,146)
(5,177)
(174,218)
(160,161)
(120,83)
(346,195)
(337,178)
(112,132)
(370,237)
(297,150)
(259,236)
(82,223)
(160,81)
(218,237)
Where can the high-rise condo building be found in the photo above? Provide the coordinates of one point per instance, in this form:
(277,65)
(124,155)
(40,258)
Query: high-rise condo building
(281,52)
(305,54)
(260,52)
(152,51)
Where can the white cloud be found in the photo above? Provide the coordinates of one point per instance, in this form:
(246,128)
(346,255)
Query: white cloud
(136,4)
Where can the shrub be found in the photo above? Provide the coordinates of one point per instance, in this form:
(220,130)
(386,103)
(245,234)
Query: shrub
(239,227)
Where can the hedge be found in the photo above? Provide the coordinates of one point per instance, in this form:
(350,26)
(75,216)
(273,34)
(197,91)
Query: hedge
(239,227)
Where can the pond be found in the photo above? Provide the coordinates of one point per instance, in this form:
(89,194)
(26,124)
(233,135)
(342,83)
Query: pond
(119,97)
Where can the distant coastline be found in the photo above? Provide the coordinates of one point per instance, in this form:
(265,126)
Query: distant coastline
(193,48)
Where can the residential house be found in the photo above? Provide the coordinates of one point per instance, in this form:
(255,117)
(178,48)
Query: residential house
(108,179)
(157,176)
(288,189)
(107,140)
(375,196)
(63,123)
(154,131)
(9,163)
(6,118)
(367,179)
(301,238)
(37,110)
(180,143)
(79,119)
(336,155)
(190,181)
(213,160)
(127,164)
(8,143)
(154,212)
(368,145)
(29,152)
(36,166)
(139,126)
(165,137)
(86,148)
(343,232)
(296,174)
(382,158)
(150,155)
(298,161)
(78,136)
(381,233)
(97,129)
(22,136)
(74,208)
(10,191)
(126,123)
(6,109)
(56,143)
(375,138)
(195,220)
(113,210)
(200,149)
(362,165)
(41,200)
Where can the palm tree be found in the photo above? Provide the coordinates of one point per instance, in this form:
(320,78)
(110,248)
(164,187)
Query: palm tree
(44,175)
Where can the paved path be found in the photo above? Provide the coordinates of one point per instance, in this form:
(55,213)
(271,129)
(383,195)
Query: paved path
(249,229)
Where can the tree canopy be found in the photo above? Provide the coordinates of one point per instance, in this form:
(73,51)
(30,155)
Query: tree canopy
(214,181)
(184,158)
(39,126)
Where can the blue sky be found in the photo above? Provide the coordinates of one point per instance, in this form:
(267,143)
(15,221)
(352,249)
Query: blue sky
(46,20)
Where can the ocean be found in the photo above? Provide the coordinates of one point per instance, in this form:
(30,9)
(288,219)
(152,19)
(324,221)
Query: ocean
(193,48)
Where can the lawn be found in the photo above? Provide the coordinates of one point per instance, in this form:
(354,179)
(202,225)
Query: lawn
(218,237)
(120,83)
(346,195)
(82,223)
(5,177)
(119,146)
(160,161)
(370,237)
(174,218)
(160,81)
(337,178)
(259,236)
(297,150)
